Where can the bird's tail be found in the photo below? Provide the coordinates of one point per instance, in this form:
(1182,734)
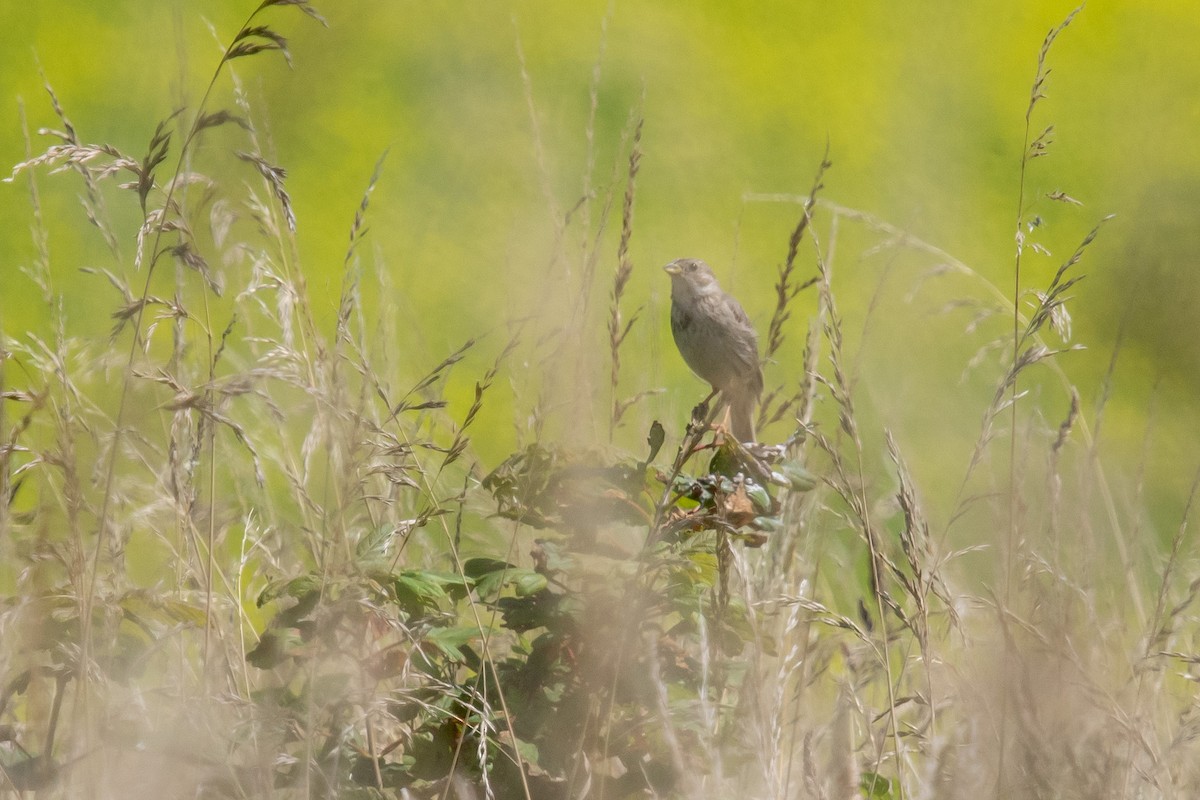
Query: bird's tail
(741,415)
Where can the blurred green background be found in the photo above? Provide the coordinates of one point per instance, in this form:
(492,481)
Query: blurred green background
(922,106)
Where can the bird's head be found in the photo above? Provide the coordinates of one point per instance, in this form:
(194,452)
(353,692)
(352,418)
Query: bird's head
(691,276)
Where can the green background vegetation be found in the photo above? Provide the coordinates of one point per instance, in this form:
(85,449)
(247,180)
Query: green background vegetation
(507,129)
(921,104)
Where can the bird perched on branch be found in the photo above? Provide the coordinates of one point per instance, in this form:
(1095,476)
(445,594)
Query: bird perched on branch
(717,341)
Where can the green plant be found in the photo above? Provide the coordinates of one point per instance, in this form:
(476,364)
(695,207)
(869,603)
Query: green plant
(250,554)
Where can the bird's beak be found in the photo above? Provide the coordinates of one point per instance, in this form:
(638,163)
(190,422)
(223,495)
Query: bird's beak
(672,268)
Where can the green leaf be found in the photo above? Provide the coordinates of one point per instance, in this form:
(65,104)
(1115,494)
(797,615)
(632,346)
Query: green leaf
(875,785)
(526,613)
(449,640)
(273,648)
(305,603)
(769,524)
(432,749)
(292,587)
(528,750)
(528,582)
(418,591)
(487,574)
(655,439)
(798,478)
(490,576)
(478,567)
(725,461)
(759,496)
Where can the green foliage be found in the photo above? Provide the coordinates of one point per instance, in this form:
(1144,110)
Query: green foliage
(876,786)
(257,555)
(572,656)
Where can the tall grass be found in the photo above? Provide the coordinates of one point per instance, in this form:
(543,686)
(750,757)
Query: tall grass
(252,557)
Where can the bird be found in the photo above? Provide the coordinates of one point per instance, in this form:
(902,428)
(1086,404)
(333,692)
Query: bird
(716,340)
